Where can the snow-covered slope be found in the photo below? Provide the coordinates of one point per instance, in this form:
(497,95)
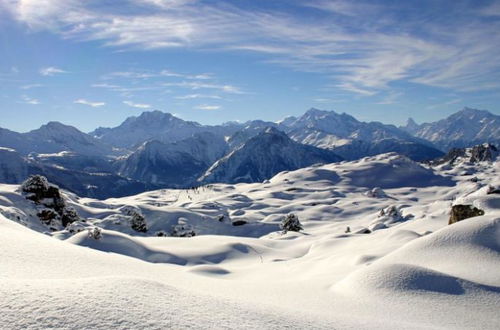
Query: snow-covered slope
(264,155)
(403,268)
(176,164)
(156,125)
(157,163)
(13,168)
(465,128)
(52,138)
(353,139)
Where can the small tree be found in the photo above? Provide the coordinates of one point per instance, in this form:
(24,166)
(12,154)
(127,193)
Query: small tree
(138,222)
(291,223)
(95,233)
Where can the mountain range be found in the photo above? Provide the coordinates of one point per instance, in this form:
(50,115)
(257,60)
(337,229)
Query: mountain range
(157,149)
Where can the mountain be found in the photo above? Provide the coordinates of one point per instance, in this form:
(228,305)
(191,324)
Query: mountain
(249,130)
(465,128)
(156,125)
(352,139)
(175,164)
(264,155)
(13,168)
(54,137)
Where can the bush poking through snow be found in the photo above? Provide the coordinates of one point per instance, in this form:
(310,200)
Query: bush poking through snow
(183,229)
(291,223)
(138,223)
(137,220)
(95,233)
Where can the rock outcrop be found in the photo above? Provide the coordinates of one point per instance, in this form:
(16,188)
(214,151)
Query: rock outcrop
(461,212)
(51,207)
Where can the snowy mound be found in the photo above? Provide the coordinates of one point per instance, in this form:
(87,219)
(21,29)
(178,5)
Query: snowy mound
(392,171)
(443,262)
(119,243)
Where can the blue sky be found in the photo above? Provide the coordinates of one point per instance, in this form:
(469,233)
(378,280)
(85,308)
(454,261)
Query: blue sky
(94,63)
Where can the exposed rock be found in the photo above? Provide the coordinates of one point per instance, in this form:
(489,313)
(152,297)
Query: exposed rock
(239,223)
(363,231)
(480,153)
(460,212)
(492,190)
(483,152)
(52,209)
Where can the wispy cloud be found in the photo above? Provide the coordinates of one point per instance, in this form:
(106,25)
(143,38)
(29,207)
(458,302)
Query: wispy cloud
(89,103)
(201,85)
(29,100)
(362,47)
(30,86)
(153,74)
(327,100)
(207,107)
(51,71)
(198,96)
(137,105)
(390,98)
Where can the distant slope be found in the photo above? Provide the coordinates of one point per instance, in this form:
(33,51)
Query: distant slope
(263,156)
(465,128)
(156,125)
(54,137)
(98,184)
(353,139)
(176,164)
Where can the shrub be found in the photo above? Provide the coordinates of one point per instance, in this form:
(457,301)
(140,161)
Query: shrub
(138,223)
(183,229)
(291,223)
(95,233)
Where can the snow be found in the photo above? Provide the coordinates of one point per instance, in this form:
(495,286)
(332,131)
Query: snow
(412,271)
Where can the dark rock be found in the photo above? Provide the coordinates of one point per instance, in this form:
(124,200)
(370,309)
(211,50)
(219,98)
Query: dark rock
(46,216)
(37,189)
(460,212)
(493,190)
(239,223)
(479,153)
(69,215)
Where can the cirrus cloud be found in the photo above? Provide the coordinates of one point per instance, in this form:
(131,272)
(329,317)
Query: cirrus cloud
(89,103)
(137,105)
(362,47)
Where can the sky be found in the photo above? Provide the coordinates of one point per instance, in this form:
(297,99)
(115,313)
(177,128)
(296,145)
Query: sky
(96,62)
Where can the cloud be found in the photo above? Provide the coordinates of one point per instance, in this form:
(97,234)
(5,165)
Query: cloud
(50,71)
(362,47)
(207,107)
(29,100)
(390,98)
(30,86)
(90,103)
(160,74)
(137,105)
(201,85)
(197,96)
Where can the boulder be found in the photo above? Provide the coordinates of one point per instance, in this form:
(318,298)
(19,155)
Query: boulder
(461,212)
(52,209)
